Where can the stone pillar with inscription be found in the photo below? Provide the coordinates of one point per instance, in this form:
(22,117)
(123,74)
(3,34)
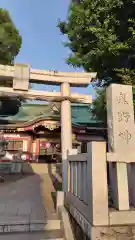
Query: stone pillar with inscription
(121,140)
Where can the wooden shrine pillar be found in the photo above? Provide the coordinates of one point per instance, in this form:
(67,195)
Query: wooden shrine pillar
(26,147)
(35,149)
(66,130)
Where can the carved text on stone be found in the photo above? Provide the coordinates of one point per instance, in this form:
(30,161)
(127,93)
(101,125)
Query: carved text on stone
(125,135)
(123,116)
(122,98)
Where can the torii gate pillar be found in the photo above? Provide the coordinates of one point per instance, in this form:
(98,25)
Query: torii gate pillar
(66,130)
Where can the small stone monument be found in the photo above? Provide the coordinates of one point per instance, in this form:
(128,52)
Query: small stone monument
(121,141)
(121,127)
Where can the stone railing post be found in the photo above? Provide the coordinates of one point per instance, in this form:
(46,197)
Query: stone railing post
(97,184)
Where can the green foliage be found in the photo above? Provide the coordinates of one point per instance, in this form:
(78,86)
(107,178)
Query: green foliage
(9,106)
(99,106)
(10,40)
(10,44)
(101,38)
(134,97)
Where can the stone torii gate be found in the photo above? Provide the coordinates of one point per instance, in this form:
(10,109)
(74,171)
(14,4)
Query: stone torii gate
(21,75)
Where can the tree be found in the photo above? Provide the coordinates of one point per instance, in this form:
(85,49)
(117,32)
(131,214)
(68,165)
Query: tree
(10,44)
(10,40)
(101,38)
(9,106)
(99,106)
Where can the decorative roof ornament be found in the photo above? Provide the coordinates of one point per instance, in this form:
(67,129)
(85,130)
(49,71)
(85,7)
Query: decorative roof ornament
(51,126)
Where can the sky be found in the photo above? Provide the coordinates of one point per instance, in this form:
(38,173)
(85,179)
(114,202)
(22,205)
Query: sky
(42,42)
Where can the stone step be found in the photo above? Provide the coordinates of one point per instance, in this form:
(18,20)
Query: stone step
(53,239)
(29,236)
(32,226)
(51,235)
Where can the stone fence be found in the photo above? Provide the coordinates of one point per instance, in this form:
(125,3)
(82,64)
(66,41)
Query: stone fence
(96,176)
(87,196)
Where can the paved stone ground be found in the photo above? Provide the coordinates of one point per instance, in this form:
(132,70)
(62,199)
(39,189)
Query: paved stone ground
(23,200)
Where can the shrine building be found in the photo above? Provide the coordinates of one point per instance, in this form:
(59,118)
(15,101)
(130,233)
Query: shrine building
(36,129)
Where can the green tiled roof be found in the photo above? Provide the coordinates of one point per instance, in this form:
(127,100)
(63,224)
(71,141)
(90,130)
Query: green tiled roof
(81,113)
